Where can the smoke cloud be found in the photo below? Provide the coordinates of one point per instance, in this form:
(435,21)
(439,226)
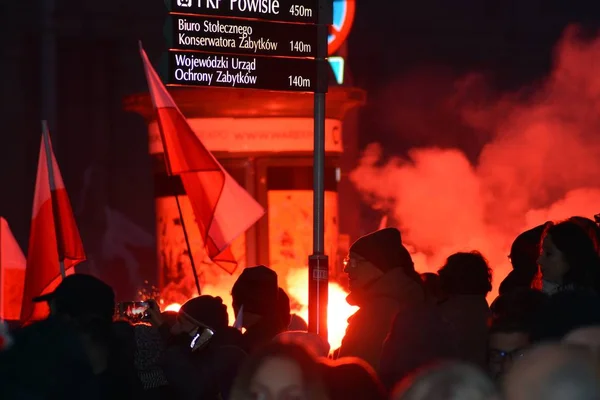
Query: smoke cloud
(541,162)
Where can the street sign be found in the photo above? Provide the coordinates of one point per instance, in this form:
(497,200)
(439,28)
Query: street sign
(270,10)
(343,18)
(241,36)
(233,71)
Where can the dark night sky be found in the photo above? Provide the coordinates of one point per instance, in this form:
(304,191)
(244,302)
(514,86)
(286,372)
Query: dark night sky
(511,42)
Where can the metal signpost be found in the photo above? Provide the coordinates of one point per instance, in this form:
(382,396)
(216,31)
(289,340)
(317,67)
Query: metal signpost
(262,44)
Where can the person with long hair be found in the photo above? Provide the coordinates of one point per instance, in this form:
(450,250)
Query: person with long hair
(448,381)
(568,259)
(280,371)
(351,378)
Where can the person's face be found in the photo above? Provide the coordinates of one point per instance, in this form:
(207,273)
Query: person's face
(360,271)
(504,349)
(278,379)
(552,262)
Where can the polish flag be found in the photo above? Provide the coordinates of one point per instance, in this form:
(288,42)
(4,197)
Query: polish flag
(12,274)
(223,209)
(54,241)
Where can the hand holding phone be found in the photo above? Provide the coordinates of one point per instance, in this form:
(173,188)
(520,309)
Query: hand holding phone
(153,313)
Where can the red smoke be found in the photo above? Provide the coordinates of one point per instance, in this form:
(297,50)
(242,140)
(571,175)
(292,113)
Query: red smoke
(541,162)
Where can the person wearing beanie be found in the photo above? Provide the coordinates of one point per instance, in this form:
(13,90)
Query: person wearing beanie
(256,301)
(524,253)
(382,281)
(202,353)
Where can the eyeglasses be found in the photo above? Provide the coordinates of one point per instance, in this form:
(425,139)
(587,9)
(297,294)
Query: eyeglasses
(350,262)
(499,356)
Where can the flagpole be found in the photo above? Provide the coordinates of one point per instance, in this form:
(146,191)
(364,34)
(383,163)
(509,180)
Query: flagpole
(187,242)
(52,183)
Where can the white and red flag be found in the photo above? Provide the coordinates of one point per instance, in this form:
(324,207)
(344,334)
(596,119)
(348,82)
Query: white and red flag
(12,274)
(223,209)
(55,246)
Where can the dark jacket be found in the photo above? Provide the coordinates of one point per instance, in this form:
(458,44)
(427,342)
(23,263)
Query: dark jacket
(261,333)
(46,361)
(379,303)
(467,316)
(206,373)
(419,337)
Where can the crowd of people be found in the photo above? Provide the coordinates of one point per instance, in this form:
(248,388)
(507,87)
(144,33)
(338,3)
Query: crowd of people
(414,337)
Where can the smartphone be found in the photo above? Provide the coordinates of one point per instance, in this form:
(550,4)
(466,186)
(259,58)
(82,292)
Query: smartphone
(133,310)
(201,338)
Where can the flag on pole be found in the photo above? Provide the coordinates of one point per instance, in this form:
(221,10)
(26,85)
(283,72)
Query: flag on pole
(223,209)
(55,246)
(12,274)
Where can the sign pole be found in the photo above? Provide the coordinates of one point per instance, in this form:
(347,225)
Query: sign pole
(318,262)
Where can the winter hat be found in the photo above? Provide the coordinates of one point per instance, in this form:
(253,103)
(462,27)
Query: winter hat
(384,249)
(81,295)
(257,290)
(208,310)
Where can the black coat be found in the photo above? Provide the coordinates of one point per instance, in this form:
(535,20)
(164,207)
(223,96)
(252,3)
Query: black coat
(206,373)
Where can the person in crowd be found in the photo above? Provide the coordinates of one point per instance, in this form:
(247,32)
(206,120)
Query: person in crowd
(170,317)
(523,303)
(46,361)
(432,285)
(280,371)
(508,341)
(351,378)
(297,323)
(591,228)
(587,337)
(510,332)
(553,372)
(90,304)
(311,342)
(255,298)
(568,259)
(124,347)
(149,349)
(202,353)
(448,381)
(419,337)
(84,306)
(283,309)
(382,281)
(565,312)
(524,253)
(466,279)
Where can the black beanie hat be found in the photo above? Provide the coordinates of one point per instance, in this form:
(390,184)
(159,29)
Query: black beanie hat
(208,310)
(384,249)
(257,290)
